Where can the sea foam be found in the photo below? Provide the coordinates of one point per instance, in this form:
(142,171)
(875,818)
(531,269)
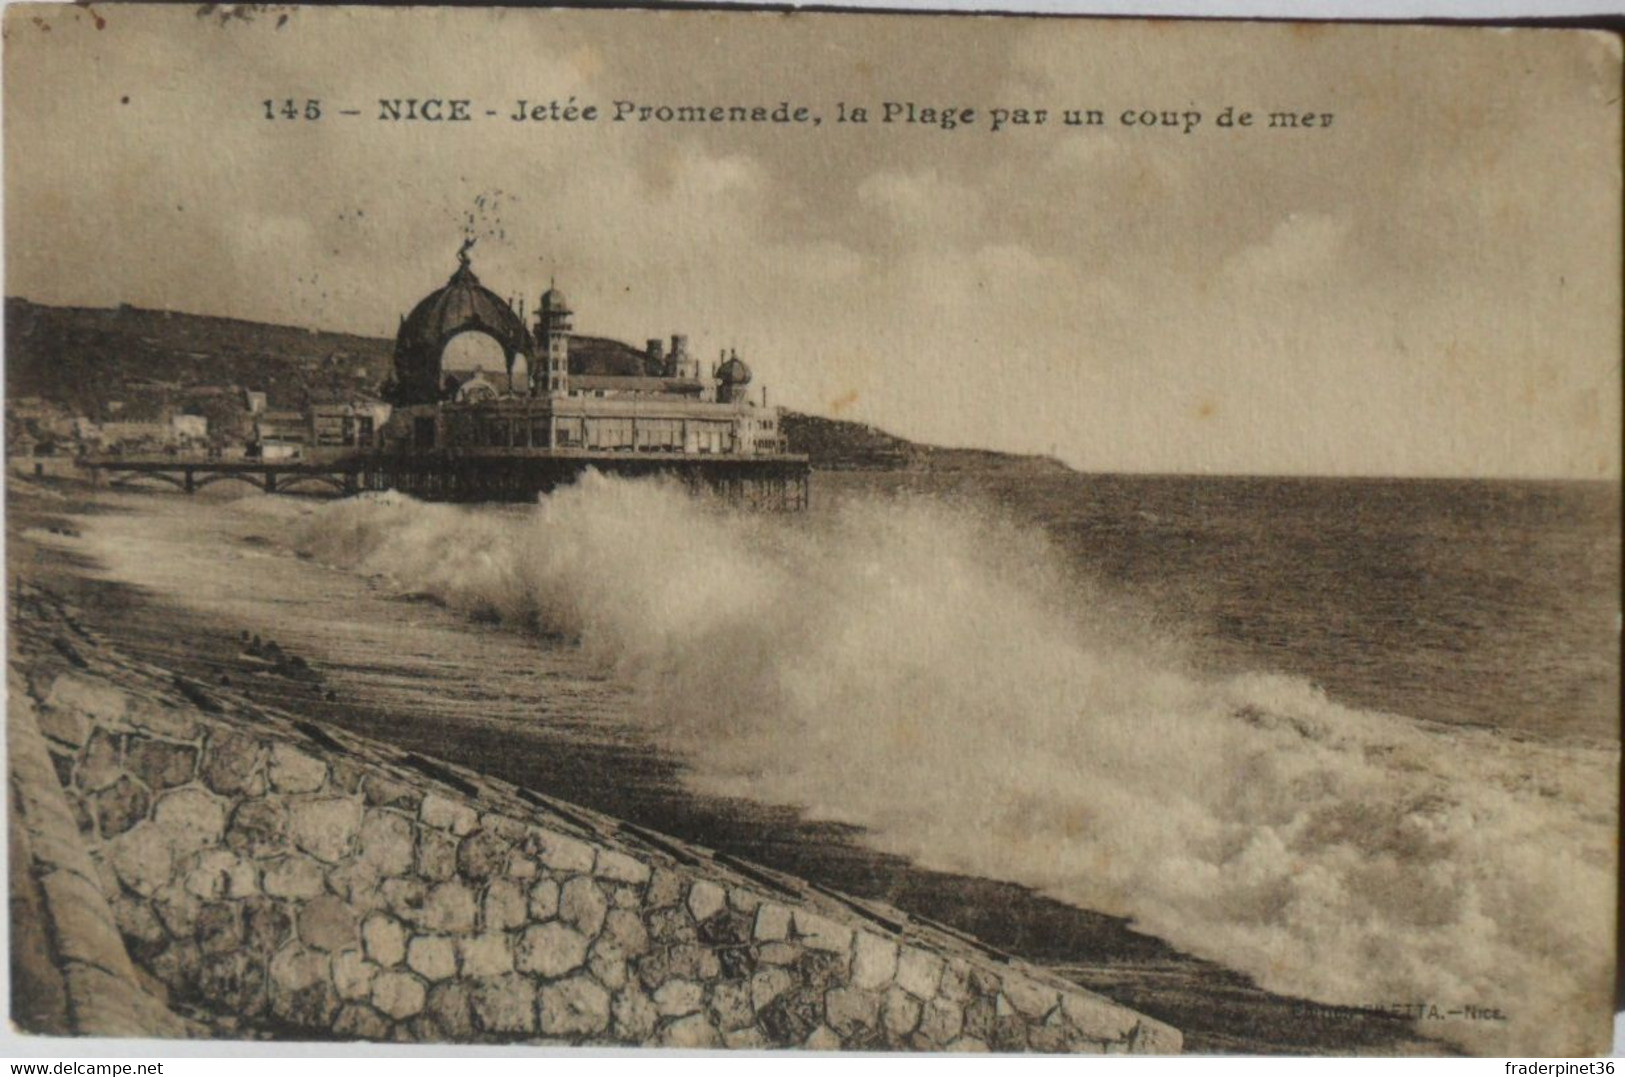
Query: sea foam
(943,679)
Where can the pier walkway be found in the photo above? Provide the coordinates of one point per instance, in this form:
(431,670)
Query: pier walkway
(776,482)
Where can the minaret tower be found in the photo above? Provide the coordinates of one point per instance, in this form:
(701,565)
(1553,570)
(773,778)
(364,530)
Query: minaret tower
(553,332)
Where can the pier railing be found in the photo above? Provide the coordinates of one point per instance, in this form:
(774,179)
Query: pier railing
(774,482)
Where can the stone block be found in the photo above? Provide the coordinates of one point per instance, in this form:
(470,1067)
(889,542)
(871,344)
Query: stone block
(266,925)
(294,876)
(258,828)
(573,1007)
(161,719)
(449,909)
(433,957)
(706,899)
(142,859)
(404,897)
(505,1004)
(176,909)
(665,888)
(823,1039)
(692,1033)
(676,997)
(745,1039)
(564,853)
(190,819)
(294,770)
(450,1008)
(772,923)
(436,855)
(99,765)
(778,953)
(851,1012)
(821,933)
(504,906)
(359,1022)
(979,1018)
(385,842)
(160,764)
(443,813)
(967,1045)
(120,806)
(1048,1038)
(634,1016)
(583,906)
(222,874)
(607,963)
(941,1022)
(625,929)
(324,827)
(64,725)
(381,792)
(619,867)
(233,982)
(691,962)
(1030,998)
(730,1005)
(486,955)
(1097,1018)
(327,923)
(1009,1033)
(219,927)
(384,939)
(544,900)
(955,982)
(521,867)
(899,1014)
(137,922)
(919,972)
(353,974)
(1155,1038)
(482,855)
(234,764)
(295,967)
(356,882)
(398,994)
(767,985)
(551,949)
(874,962)
(345,775)
(672,926)
(507,828)
(97,700)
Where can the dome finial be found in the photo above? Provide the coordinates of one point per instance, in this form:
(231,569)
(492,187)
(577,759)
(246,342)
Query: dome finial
(462,252)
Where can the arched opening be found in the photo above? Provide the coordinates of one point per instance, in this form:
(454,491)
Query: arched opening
(467,354)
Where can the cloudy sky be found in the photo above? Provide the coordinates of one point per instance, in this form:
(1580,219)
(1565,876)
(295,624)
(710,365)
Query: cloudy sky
(1429,286)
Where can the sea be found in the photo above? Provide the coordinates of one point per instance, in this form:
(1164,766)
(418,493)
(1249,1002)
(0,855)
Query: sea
(1354,739)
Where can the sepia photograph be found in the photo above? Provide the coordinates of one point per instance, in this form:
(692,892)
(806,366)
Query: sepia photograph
(766,531)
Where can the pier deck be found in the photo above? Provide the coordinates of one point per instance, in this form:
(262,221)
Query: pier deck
(776,482)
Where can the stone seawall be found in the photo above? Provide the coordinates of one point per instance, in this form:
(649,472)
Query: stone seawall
(273,877)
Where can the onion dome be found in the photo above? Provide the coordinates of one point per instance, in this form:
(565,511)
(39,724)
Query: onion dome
(553,301)
(734,371)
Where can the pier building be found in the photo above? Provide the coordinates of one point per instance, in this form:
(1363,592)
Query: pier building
(563,402)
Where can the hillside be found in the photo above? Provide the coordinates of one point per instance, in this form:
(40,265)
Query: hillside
(141,361)
(842,445)
(132,363)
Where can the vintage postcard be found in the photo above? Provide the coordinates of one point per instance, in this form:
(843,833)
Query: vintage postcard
(747,530)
